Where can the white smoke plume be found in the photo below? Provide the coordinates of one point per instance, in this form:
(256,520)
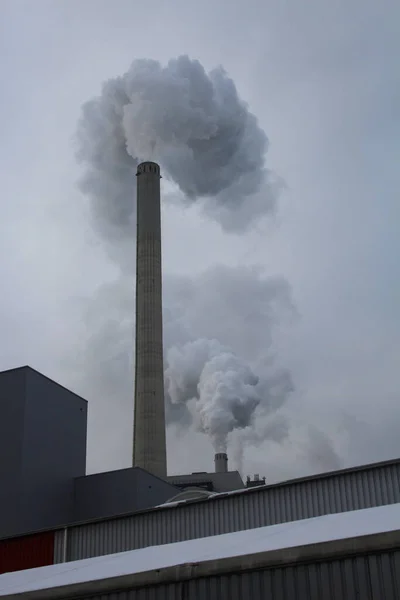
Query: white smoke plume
(216,386)
(274,430)
(194,124)
(218,327)
(218,333)
(224,390)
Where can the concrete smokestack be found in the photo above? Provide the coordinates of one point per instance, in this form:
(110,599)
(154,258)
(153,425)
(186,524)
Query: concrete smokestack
(221,462)
(149,445)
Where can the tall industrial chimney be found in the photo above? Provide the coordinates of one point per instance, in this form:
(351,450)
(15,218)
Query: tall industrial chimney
(221,462)
(149,445)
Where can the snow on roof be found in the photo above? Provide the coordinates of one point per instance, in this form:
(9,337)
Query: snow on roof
(275,537)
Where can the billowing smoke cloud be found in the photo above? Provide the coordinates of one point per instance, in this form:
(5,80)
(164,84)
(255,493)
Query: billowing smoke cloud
(223,389)
(218,327)
(218,333)
(217,386)
(276,429)
(194,124)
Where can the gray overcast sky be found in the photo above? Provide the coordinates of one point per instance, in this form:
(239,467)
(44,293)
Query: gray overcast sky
(323,79)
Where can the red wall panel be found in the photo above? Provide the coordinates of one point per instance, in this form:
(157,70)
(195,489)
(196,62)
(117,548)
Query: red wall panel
(27,552)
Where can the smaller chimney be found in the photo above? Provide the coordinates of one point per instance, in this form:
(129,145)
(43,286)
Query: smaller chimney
(221,462)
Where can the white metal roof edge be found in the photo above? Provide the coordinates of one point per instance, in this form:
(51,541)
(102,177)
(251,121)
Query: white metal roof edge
(45,581)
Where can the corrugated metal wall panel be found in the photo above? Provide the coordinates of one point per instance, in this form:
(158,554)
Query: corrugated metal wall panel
(369,577)
(58,546)
(339,492)
(27,552)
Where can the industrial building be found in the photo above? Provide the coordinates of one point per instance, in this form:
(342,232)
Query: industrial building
(341,491)
(43,463)
(199,535)
(346,555)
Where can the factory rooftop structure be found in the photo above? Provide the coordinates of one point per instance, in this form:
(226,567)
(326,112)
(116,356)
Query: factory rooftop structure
(212,514)
(334,556)
(212,482)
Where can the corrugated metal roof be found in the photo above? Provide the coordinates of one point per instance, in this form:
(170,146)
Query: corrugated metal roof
(267,487)
(391,494)
(234,511)
(207,550)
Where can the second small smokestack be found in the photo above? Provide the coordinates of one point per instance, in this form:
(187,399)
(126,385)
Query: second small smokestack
(221,462)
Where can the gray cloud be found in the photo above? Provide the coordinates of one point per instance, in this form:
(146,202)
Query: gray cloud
(318,449)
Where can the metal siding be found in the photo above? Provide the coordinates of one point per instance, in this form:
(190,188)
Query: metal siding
(370,577)
(58,546)
(314,581)
(235,512)
(395,570)
(27,552)
(319,494)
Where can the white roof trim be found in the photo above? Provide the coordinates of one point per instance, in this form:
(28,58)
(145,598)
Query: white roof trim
(243,543)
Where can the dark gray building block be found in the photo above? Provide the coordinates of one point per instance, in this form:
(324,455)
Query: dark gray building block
(119,492)
(12,405)
(42,451)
